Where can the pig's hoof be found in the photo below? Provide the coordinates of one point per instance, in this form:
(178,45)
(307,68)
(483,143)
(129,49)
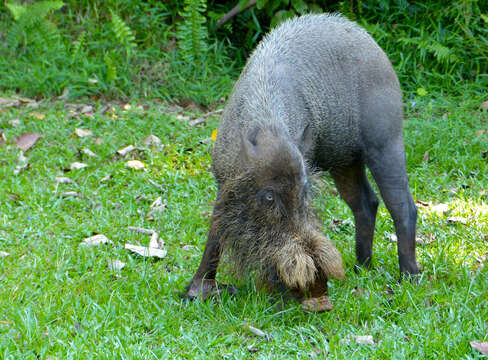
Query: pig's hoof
(410,272)
(317,304)
(206,288)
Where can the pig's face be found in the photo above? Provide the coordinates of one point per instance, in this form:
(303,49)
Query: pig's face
(279,191)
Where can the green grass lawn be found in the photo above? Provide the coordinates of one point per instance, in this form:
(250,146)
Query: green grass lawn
(59,300)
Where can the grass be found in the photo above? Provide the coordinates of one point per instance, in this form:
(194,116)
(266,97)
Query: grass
(59,300)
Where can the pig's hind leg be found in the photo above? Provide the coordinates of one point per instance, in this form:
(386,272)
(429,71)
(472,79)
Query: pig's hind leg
(384,153)
(388,168)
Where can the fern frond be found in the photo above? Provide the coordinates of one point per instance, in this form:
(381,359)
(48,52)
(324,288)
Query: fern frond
(192,33)
(31,25)
(441,52)
(111,70)
(16,10)
(78,44)
(122,32)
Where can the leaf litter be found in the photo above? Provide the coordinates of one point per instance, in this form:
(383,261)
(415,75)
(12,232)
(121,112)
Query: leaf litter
(151,140)
(135,164)
(481,346)
(124,151)
(63,180)
(116,265)
(83,132)
(77,165)
(154,249)
(96,240)
(22,164)
(255,331)
(157,207)
(89,153)
(25,141)
(317,304)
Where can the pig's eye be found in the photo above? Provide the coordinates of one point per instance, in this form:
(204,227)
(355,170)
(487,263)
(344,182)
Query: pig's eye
(266,197)
(269,196)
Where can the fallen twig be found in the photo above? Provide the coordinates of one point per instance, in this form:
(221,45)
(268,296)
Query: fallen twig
(233,12)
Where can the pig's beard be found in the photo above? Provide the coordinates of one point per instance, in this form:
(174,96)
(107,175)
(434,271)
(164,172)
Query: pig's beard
(278,254)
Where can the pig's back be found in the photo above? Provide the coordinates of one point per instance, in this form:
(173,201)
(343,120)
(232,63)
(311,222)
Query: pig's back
(312,70)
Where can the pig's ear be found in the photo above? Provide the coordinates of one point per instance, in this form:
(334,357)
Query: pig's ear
(304,139)
(249,145)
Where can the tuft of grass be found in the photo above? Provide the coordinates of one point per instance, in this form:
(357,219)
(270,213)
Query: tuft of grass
(58,299)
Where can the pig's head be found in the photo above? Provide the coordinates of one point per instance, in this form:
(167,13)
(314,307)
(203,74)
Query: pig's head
(264,218)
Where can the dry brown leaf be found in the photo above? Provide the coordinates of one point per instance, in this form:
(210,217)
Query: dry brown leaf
(135,164)
(318,304)
(357,291)
(14,122)
(155,241)
(25,141)
(151,140)
(64,95)
(422,203)
(484,105)
(425,239)
(89,153)
(3,139)
(98,141)
(6,102)
(363,339)
(116,265)
(457,219)
(252,348)
(24,100)
(106,178)
(38,116)
(146,251)
(182,117)
(173,109)
(426,157)
(481,346)
(156,207)
(63,180)
(86,109)
(197,121)
(141,230)
(126,150)
(206,141)
(255,331)
(95,240)
(69,194)
(77,165)
(22,164)
(481,132)
(440,208)
(83,132)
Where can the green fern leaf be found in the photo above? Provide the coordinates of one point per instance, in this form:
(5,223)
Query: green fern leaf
(123,33)
(110,69)
(441,52)
(192,33)
(16,10)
